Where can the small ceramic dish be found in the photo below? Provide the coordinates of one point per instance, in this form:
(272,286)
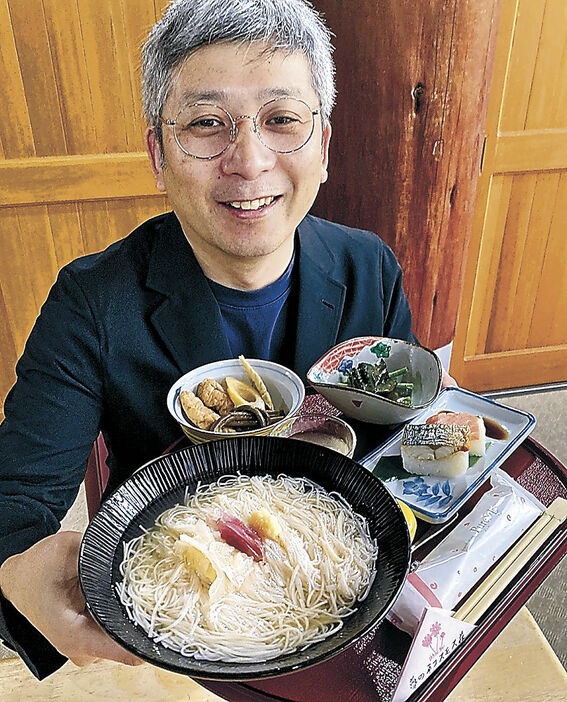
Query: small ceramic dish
(328,376)
(285,387)
(320,429)
(436,499)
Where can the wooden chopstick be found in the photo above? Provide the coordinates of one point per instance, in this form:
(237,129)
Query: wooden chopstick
(518,556)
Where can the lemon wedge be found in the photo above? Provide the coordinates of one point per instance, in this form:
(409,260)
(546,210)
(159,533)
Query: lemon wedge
(410,518)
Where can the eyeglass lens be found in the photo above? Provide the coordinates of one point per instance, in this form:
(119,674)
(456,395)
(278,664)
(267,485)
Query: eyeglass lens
(283,125)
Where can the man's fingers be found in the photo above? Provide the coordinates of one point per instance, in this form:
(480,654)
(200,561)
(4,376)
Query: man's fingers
(94,643)
(448,381)
(43,584)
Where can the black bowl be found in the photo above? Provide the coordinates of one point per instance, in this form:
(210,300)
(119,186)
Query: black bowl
(162,483)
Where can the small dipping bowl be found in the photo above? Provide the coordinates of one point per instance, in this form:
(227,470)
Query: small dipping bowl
(322,429)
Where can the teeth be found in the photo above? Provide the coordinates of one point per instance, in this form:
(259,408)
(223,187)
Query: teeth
(252,204)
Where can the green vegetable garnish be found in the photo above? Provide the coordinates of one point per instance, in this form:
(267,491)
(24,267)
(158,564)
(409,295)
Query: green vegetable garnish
(375,378)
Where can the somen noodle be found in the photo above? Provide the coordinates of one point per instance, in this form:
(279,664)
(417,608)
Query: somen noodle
(196,594)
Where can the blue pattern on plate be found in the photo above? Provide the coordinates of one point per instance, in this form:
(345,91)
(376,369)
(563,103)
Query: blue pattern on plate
(427,495)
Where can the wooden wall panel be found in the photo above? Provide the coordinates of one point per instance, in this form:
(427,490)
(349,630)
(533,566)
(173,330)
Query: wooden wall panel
(137,18)
(38,75)
(549,319)
(522,46)
(69,178)
(66,232)
(72,75)
(110,98)
(28,266)
(545,109)
(519,280)
(486,275)
(69,96)
(512,329)
(408,132)
(16,135)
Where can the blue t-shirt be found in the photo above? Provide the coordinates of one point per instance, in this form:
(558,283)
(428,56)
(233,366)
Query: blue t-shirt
(255,321)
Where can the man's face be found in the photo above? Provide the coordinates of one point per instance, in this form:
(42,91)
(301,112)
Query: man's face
(240,79)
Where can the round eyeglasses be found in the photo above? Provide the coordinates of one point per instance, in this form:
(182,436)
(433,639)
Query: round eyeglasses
(283,125)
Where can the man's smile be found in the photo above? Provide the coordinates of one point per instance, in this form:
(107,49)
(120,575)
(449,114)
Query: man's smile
(259,203)
(252,204)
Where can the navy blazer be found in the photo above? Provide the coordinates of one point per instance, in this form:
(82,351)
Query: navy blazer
(119,327)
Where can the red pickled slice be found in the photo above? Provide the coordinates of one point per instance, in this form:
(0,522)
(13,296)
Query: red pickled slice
(238,534)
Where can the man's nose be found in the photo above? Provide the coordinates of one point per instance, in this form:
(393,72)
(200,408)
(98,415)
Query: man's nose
(247,156)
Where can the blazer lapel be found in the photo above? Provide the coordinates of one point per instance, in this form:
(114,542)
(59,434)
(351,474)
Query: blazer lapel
(321,300)
(187,319)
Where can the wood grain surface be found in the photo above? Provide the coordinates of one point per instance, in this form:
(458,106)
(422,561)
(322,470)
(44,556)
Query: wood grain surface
(519,666)
(74,175)
(512,330)
(408,134)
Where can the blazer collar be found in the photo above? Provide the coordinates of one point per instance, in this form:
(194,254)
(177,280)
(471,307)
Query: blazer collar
(321,298)
(188,319)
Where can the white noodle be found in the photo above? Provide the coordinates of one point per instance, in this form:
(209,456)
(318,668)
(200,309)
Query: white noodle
(308,580)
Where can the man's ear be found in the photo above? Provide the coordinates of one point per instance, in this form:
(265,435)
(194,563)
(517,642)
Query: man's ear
(325,152)
(156,157)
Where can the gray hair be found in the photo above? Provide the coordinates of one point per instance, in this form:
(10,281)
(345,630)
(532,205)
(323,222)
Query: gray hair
(187,25)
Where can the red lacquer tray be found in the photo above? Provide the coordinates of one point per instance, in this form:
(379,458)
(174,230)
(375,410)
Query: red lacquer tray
(369,670)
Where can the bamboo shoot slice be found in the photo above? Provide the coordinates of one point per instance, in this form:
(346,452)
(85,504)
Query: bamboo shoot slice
(242,393)
(258,383)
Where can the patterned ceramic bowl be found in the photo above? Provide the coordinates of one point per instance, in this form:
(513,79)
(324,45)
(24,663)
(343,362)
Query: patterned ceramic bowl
(330,374)
(285,387)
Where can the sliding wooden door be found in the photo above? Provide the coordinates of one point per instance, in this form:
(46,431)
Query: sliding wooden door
(512,328)
(74,175)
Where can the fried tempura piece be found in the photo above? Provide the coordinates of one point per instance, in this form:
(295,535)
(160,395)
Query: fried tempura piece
(196,411)
(257,382)
(212,394)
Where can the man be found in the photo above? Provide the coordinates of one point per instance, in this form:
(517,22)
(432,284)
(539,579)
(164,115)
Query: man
(238,97)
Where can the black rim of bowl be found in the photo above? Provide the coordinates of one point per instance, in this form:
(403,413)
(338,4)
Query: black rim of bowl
(161,483)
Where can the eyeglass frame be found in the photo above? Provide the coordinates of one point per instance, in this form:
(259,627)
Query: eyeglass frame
(234,126)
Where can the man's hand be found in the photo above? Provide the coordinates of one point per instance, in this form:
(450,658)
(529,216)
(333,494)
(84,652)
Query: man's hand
(447,381)
(43,584)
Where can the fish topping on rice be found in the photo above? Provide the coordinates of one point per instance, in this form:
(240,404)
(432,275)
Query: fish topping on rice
(436,449)
(437,435)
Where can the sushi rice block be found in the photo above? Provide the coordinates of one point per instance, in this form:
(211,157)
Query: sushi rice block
(436,449)
(475,424)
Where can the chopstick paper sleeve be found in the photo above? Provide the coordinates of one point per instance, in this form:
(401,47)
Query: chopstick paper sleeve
(513,562)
